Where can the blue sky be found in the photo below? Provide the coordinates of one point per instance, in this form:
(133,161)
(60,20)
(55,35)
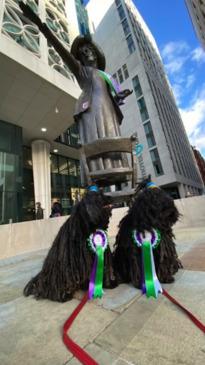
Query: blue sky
(184,61)
(183,58)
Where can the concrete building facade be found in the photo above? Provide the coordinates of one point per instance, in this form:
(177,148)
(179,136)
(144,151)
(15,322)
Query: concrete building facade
(37,98)
(150,113)
(196,10)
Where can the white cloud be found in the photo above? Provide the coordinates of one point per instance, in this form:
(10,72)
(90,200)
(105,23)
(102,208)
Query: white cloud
(180,85)
(180,62)
(198,55)
(175,65)
(194,119)
(200,144)
(172,48)
(190,80)
(175,54)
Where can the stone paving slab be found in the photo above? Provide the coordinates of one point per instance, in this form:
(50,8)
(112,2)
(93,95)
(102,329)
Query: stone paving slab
(194,259)
(120,298)
(90,322)
(117,299)
(100,355)
(31,330)
(13,277)
(168,336)
(117,336)
(23,257)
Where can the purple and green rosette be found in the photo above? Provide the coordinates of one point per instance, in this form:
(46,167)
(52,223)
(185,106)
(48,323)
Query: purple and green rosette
(97,242)
(148,241)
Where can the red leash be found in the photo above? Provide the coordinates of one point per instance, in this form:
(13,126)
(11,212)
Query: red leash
(76,350)
(199,324)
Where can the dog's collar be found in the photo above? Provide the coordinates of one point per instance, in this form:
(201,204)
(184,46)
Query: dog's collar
(151,185)
(93,188)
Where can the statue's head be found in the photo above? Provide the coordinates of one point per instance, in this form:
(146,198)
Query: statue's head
(88,53)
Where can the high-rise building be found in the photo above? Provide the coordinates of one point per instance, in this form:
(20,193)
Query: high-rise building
(82,16)
(37,98)
(200,162)
(150,113)
(196,10)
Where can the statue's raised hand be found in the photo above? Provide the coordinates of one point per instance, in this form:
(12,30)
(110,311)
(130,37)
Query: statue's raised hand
(29,13)
(124,93)
(119,98)
(63,52)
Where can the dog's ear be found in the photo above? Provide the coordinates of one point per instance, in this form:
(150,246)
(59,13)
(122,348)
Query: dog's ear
(93,205)
(93,212)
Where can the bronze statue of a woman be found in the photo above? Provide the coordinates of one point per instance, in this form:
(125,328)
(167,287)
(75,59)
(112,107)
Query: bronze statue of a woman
(97,110)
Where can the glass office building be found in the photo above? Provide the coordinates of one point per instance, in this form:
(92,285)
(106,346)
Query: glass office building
(39,159)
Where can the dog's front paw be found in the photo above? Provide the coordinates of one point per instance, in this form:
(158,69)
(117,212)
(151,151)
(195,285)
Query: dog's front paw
(167,280)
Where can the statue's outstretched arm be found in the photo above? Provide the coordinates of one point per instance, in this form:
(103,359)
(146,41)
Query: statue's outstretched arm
(67,57)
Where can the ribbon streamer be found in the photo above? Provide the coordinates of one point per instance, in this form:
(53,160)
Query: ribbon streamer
(99,274)
(157,285)
(98,244)
(150,283)
(148,269)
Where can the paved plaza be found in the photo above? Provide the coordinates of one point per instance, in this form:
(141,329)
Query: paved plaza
(122,328)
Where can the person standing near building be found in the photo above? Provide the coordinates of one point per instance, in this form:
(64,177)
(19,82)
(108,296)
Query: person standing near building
(57,210)
(39,211)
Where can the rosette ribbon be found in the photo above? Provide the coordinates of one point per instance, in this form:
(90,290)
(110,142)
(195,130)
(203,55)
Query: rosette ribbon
(98,243)
(112,83)
(148,241)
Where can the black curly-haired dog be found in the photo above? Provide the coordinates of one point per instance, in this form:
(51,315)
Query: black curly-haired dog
(152,208)
(68,264)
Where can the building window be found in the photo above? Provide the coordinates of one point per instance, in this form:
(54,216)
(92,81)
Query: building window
(156,162)
(137,87)
(120,75)
(125,26)
(54,164)
(70,137)
(130,44)
(83,29)
(125,71)
(121,12)
(63,166)
(114,77)
(72,167)
(149,135)
(143,109)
